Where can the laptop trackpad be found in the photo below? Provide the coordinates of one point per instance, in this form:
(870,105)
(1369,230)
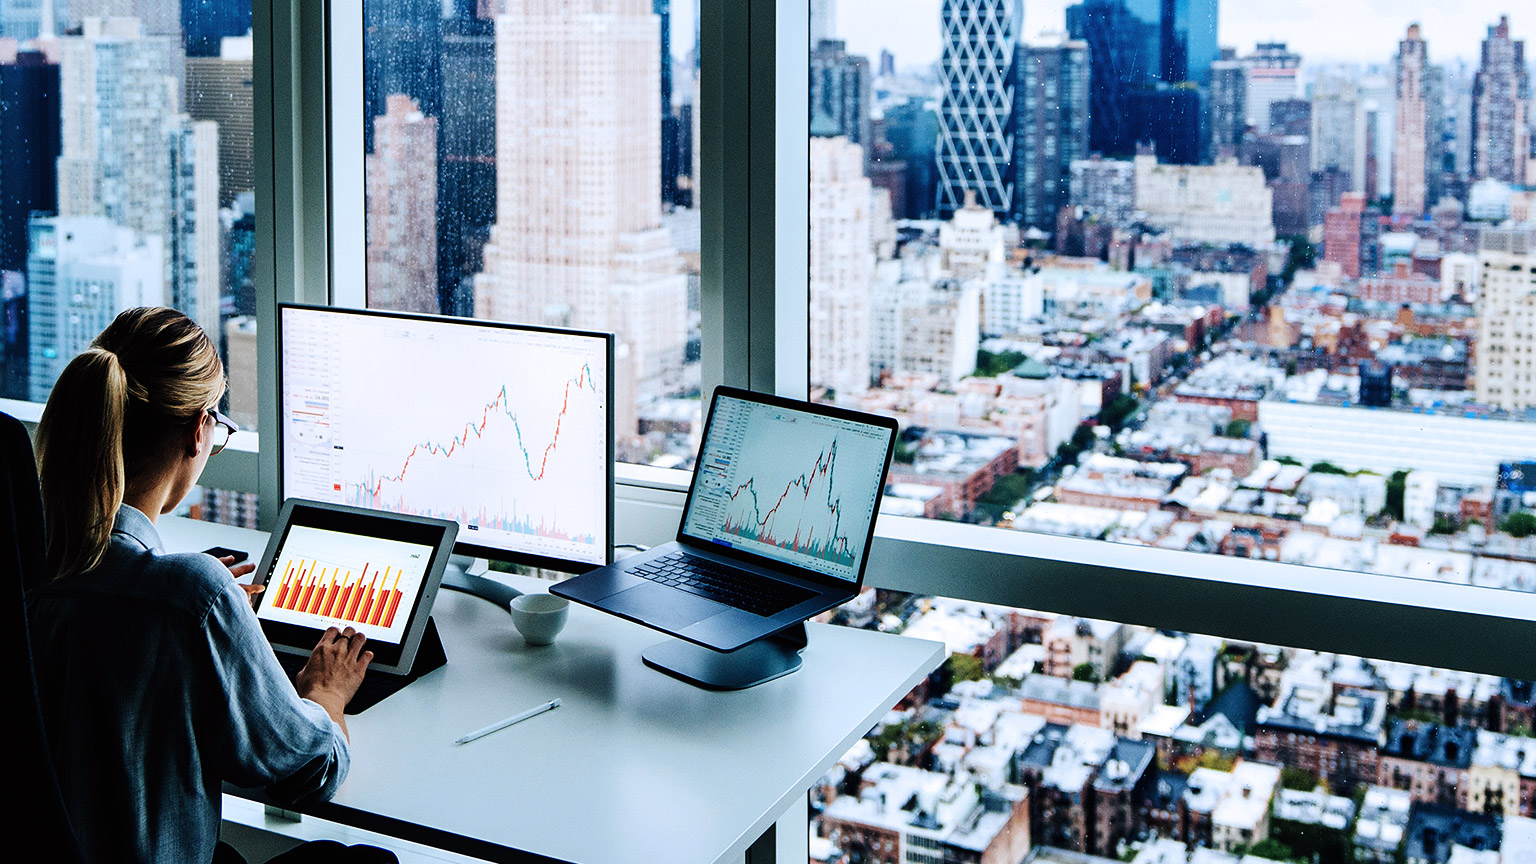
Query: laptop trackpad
(662,607)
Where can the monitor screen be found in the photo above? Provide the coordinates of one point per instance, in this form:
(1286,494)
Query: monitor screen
(505,429)
(797,486)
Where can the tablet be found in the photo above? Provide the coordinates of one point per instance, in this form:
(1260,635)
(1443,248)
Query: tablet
(328,565)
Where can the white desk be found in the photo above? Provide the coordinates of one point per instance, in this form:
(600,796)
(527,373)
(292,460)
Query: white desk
(634,767)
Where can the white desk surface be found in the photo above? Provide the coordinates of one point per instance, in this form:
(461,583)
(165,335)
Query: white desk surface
(635,766)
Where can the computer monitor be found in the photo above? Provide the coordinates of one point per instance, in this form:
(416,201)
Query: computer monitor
(506,429)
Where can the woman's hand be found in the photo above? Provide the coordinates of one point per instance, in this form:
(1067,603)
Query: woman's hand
(237,571)
(334,671)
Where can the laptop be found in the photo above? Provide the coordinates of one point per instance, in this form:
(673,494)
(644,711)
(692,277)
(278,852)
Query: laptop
(776,528)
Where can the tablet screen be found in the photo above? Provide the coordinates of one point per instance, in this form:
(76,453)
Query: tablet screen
(328,578)
(329,565)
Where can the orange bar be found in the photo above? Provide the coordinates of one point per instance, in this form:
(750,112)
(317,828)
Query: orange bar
(330,596)
(362,614)
(298,588)
(341,605)
(282,587)
(378,610)
(312,596)
(357,598)
(394,602)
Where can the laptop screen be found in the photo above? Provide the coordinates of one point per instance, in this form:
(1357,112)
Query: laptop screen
(796,486)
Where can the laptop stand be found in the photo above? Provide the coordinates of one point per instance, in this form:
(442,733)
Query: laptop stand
(754,663)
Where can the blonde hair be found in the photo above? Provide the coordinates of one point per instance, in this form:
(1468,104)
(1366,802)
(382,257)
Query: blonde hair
(113,413)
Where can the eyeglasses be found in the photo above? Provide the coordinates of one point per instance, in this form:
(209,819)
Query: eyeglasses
(223,428)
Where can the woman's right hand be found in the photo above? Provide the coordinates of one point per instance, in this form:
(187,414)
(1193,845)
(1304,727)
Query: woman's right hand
(334,671)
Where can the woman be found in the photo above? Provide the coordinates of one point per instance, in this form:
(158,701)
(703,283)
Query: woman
(156,683)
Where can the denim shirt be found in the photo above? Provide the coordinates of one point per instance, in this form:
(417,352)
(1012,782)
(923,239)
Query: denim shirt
(157,686)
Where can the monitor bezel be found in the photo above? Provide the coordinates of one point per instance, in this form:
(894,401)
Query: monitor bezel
(836,412)
(460,546)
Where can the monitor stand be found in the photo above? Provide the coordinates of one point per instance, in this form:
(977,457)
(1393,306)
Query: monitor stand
(466,574)
(752,664)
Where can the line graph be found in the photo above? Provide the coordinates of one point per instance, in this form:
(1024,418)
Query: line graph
(793,485)
(500,429)
(801,519)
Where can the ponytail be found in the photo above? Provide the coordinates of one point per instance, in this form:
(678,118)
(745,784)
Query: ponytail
(80,460)
(112,416)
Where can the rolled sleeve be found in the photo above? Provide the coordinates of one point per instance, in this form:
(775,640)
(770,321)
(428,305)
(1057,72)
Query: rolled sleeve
(272,737)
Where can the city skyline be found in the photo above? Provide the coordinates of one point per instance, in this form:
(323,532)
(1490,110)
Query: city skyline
(1454,33)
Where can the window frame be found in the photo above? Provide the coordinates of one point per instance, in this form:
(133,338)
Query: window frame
(753,167)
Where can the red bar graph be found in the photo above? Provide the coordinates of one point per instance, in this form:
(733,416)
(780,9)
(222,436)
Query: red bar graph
(364,600)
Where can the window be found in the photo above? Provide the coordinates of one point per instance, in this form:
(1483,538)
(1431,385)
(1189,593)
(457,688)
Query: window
(1131,335)
(1101,312)
(536,163)
(126,179)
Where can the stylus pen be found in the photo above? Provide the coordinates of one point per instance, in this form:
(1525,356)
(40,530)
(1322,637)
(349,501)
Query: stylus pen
(515,718)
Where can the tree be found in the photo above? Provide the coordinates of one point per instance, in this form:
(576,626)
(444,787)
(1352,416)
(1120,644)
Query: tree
(1520,525)
(1272,849)
(965,667)
(1327,468)
(1085,672)
(1116,412)
(1397,485)
(989,365)
(1287,460)
(1297,779)
(1238,428)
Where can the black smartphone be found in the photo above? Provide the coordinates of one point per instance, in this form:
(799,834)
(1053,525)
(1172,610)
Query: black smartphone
(221,552)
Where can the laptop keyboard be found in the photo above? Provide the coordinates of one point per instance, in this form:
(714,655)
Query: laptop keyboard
(726,585)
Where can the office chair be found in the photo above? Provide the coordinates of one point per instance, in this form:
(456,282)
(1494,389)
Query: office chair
(22,558)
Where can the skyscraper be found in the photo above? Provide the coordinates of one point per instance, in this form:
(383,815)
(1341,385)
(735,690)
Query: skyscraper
(1140,52)
(1051,102)
(128,153)
(402,53)
(1506,320)
(29,150)
(842,267)
(1338,129)
(1229,105)
(466,158)
(578,238)
(976,122)
(1501,105)
(204,23)
(23,19)
(1352,236)
(840,95)
(912,128)
(219,89)
(823,21)
(158,17)
(401,175)
(1271,77)
(1124,56)
(82,271)
(1416,143)
(669,128)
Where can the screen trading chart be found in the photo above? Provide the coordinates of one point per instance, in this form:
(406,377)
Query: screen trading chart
(325,578)
(502,430)
(791,485)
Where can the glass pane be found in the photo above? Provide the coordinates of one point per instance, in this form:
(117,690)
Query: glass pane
(126,179)
(534,162)
(1226,284)
(1082,741)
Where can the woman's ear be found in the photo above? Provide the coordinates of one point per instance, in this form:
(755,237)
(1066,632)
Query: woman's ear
(197,430)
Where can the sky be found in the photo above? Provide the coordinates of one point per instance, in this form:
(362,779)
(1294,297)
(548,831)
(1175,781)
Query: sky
(1326,31)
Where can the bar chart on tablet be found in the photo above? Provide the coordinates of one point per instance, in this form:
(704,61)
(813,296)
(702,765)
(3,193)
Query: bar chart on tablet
(329,579)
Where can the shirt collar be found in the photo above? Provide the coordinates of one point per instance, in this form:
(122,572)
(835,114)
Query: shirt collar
(135,524)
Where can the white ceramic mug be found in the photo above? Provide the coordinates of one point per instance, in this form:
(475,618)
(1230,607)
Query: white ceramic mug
(539,617)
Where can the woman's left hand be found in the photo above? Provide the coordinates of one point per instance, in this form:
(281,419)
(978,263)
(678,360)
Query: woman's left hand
(240,570)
